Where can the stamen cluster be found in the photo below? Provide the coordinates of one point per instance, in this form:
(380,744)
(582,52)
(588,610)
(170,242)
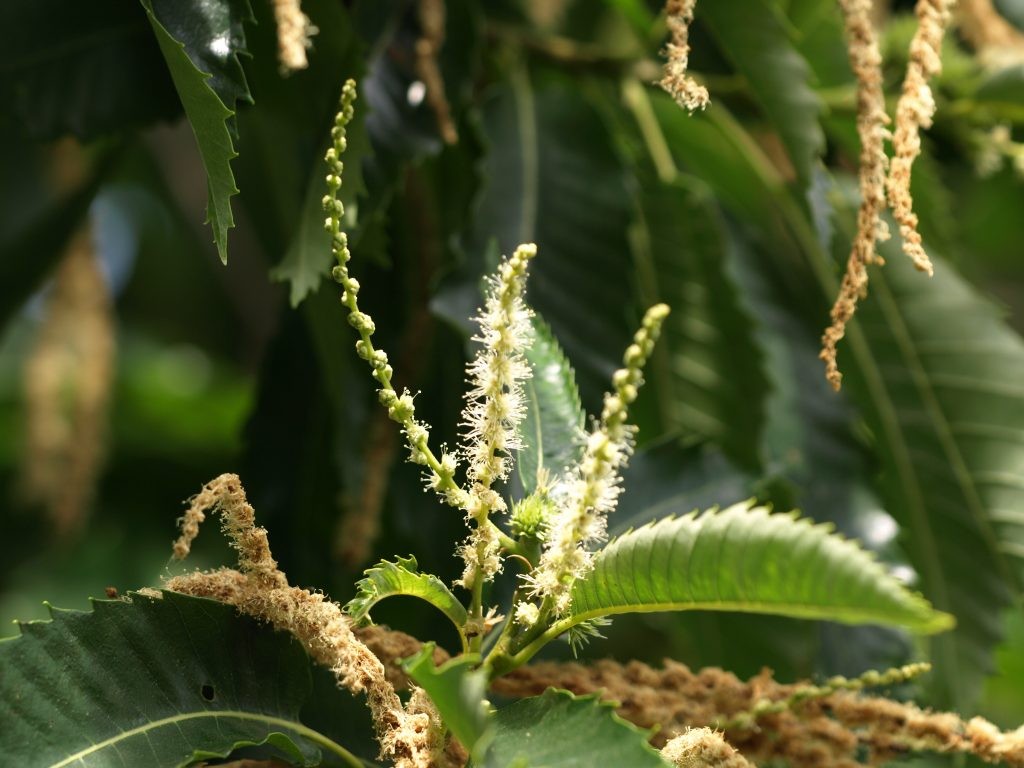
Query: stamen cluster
(495,406)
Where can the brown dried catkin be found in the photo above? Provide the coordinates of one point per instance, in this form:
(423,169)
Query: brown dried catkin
(411,736)
(866,62)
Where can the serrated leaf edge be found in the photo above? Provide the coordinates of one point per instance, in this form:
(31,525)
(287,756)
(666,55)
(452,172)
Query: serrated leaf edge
(939,621)
(368,593)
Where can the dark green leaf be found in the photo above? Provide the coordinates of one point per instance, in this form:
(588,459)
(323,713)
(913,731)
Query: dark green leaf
(191,38)
(554,178)
(714,385)
(936,374)
(817,31)
(401,128)
(747,559)
(298,113)
(213,36)
(1003,93)
(1013,10)
(308,259)
(946,513)
(290,445)
(560,730)
(154,681)
(665,477)
(552,429)
(715,147)
(283,138)
(755,37)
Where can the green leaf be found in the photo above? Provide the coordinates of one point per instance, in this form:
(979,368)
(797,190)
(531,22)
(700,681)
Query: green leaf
(213,35)
(552,430)
(1003,87)
(907,397)
(560,730)
(401,129)
(715,147)
(387,579)
(457,689)
(809,439)
(156,682)
(708,371)
(554,178)
(754,35)
(637,14)
(818,34)
(820,464)
(746,559)
(936,373)
(207,93)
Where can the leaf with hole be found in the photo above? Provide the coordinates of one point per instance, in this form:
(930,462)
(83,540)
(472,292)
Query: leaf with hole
(155,681)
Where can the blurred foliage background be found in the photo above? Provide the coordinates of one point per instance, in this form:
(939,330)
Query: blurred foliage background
(740,217)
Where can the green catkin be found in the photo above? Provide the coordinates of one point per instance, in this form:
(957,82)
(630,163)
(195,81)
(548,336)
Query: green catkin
(400,407)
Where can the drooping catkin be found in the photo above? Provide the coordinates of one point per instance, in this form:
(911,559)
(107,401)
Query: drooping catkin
(866,62)
(293,33)
(676,80)
(914,111)
(67,381)
(409,736)
(432,14)
(803,724)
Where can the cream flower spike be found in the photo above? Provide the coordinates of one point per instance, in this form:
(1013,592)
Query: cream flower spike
(591,490)
(494,402)
(495,405)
